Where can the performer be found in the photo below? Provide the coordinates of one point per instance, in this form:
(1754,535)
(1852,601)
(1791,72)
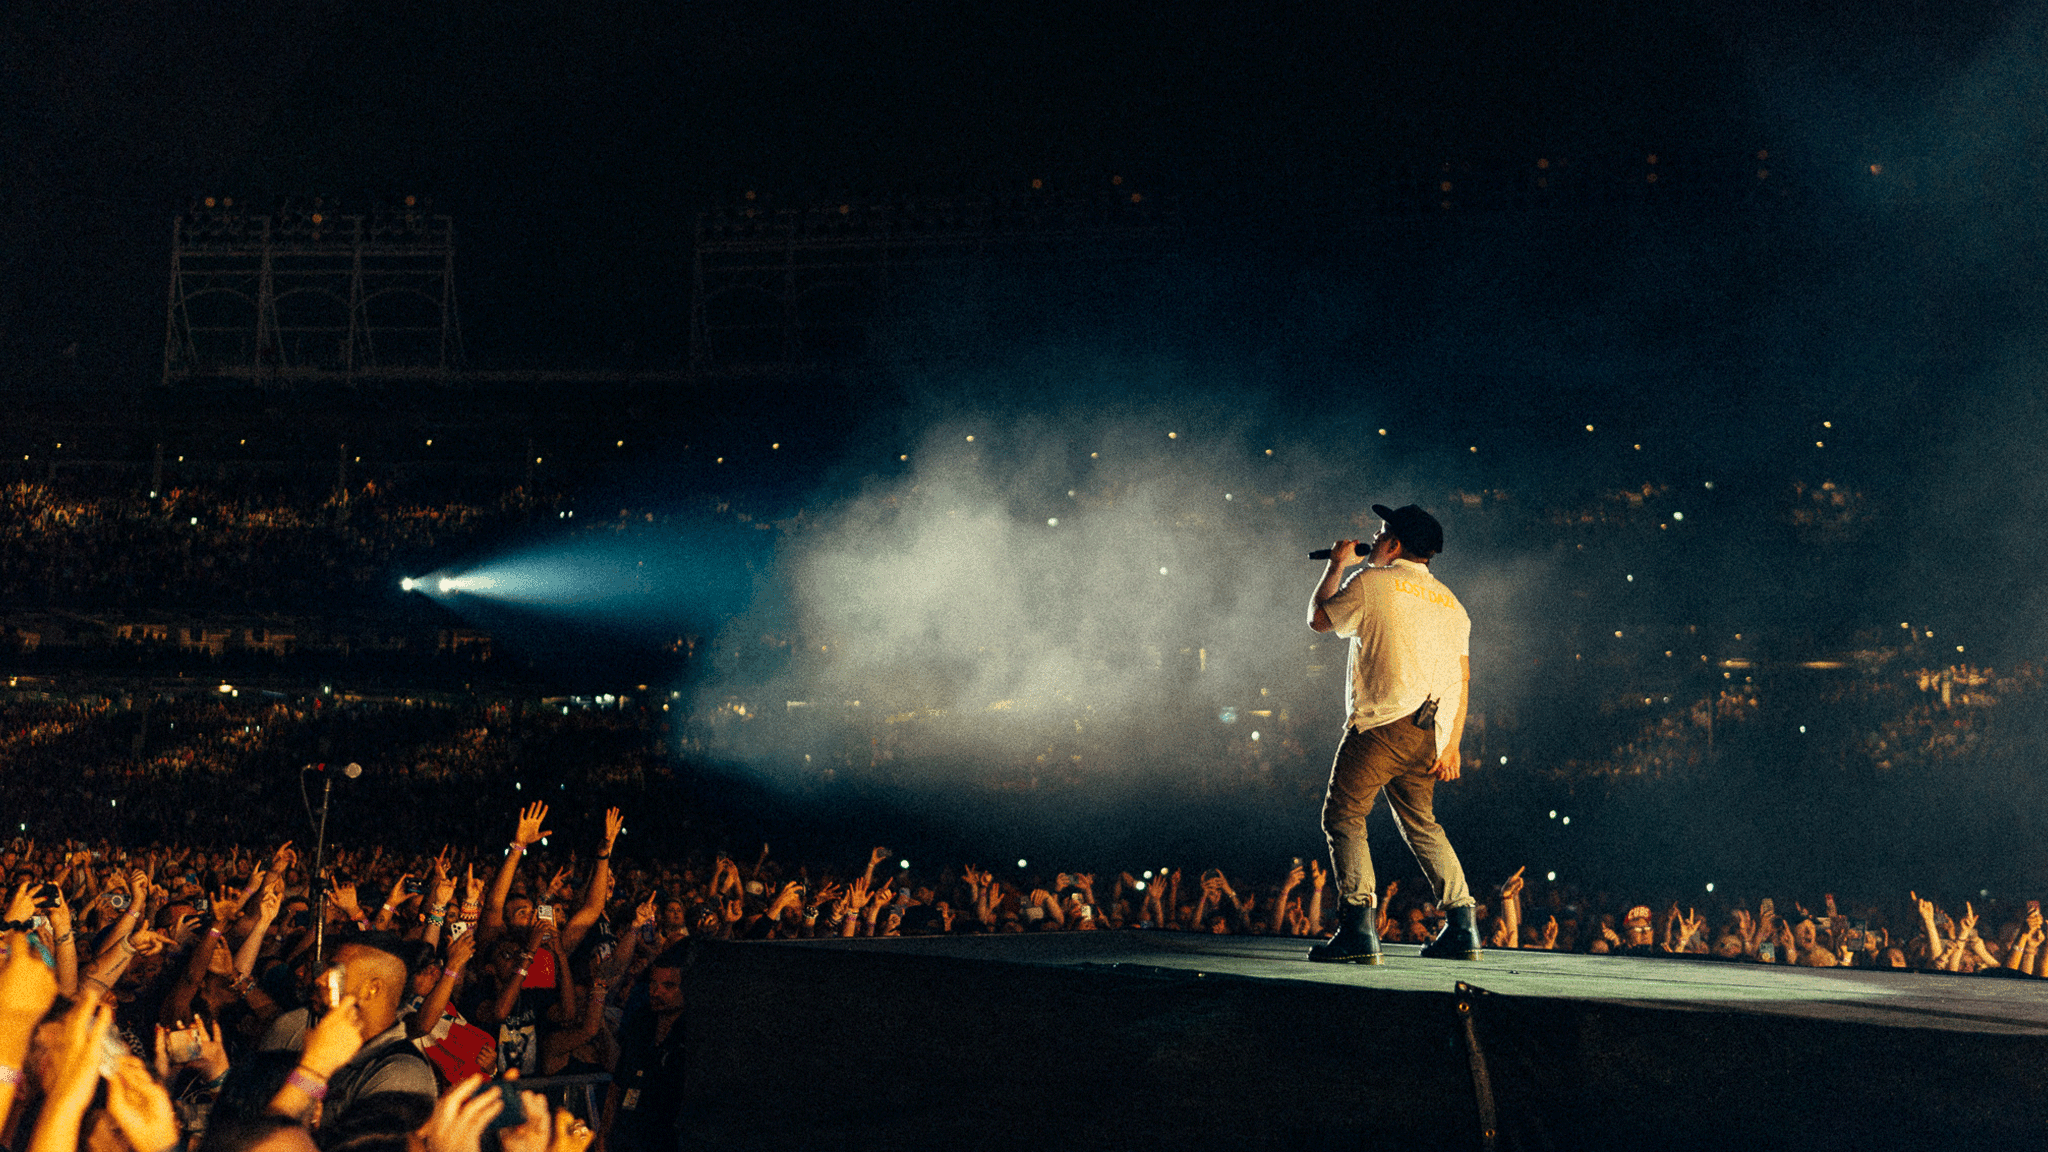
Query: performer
(1404,692)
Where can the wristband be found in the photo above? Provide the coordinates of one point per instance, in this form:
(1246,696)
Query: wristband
(306,1081)
(604,856)
(441,907)
(518,847)
(436,920)
(214,931)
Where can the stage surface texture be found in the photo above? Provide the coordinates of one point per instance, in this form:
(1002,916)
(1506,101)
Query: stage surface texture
(1169,1040)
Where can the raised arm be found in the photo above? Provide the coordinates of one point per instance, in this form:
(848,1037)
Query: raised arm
(1295,876)
(529,831)
(600,889)
(1343,554)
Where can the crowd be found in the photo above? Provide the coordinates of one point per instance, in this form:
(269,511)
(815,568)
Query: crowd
(232,996)
(192,549)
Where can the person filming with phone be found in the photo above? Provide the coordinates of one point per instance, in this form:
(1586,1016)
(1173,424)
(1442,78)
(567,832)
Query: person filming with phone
(1405,690)
(359,997)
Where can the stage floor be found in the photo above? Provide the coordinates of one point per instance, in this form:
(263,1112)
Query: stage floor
(2016,1006)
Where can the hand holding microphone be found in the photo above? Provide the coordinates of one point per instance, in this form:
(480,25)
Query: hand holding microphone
(1344,553)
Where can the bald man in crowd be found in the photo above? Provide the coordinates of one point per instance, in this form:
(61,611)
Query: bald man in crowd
(373,972)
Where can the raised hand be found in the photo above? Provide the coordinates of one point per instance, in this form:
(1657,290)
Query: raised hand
(472,887)
(1295,876)
(227,904)
(1316,875)
(22,905)
(614,822)
(531,818)
(140,1106)
(27,989)
(343,896)
(334,1040)
(571,1133)
(643,914)
(461,1115)
(877,856)
(558,886)
(1512,887)
(398,896)
(461,951)
(443,884)
(77,1062)
(531,1136)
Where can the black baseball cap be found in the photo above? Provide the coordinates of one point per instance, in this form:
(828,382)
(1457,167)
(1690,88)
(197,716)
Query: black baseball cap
(1417,530)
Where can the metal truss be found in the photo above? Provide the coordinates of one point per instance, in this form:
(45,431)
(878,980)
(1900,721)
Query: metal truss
(310,293)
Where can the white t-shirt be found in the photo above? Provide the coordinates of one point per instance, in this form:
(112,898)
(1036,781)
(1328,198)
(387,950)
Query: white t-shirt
(1409,632)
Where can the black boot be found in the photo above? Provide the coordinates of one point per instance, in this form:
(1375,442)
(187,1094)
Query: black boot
(1459,939)
(1357,940)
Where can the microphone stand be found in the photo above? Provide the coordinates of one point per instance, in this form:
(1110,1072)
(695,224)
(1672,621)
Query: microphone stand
(319,878)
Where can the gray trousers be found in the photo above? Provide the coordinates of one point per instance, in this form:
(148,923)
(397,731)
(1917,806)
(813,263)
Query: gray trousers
(1396,757)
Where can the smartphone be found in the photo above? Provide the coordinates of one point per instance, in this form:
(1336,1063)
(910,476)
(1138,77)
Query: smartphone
(118,901)
(202,905)
(545,912)
(182,1045)
(514,1113)
(333,978)
(46,896)
(416,887)
(1767,952)
(458,930)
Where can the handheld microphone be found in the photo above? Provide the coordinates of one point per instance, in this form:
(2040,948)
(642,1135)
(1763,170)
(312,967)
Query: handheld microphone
(1320,554)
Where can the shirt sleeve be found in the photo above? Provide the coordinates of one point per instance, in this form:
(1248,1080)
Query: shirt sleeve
(1346,609)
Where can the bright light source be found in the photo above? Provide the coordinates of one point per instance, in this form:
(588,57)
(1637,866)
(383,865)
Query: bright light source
(1148,873)
(1052,522)
(903,863)
(1802,727)
(1503,759)
(1140,884)
(1255,735)
(408,583)
(1553,813)
(226,688)
(1162,571)
(1550,875)
(1020,863)
(1678,515)
(446,584)
(1567,819)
